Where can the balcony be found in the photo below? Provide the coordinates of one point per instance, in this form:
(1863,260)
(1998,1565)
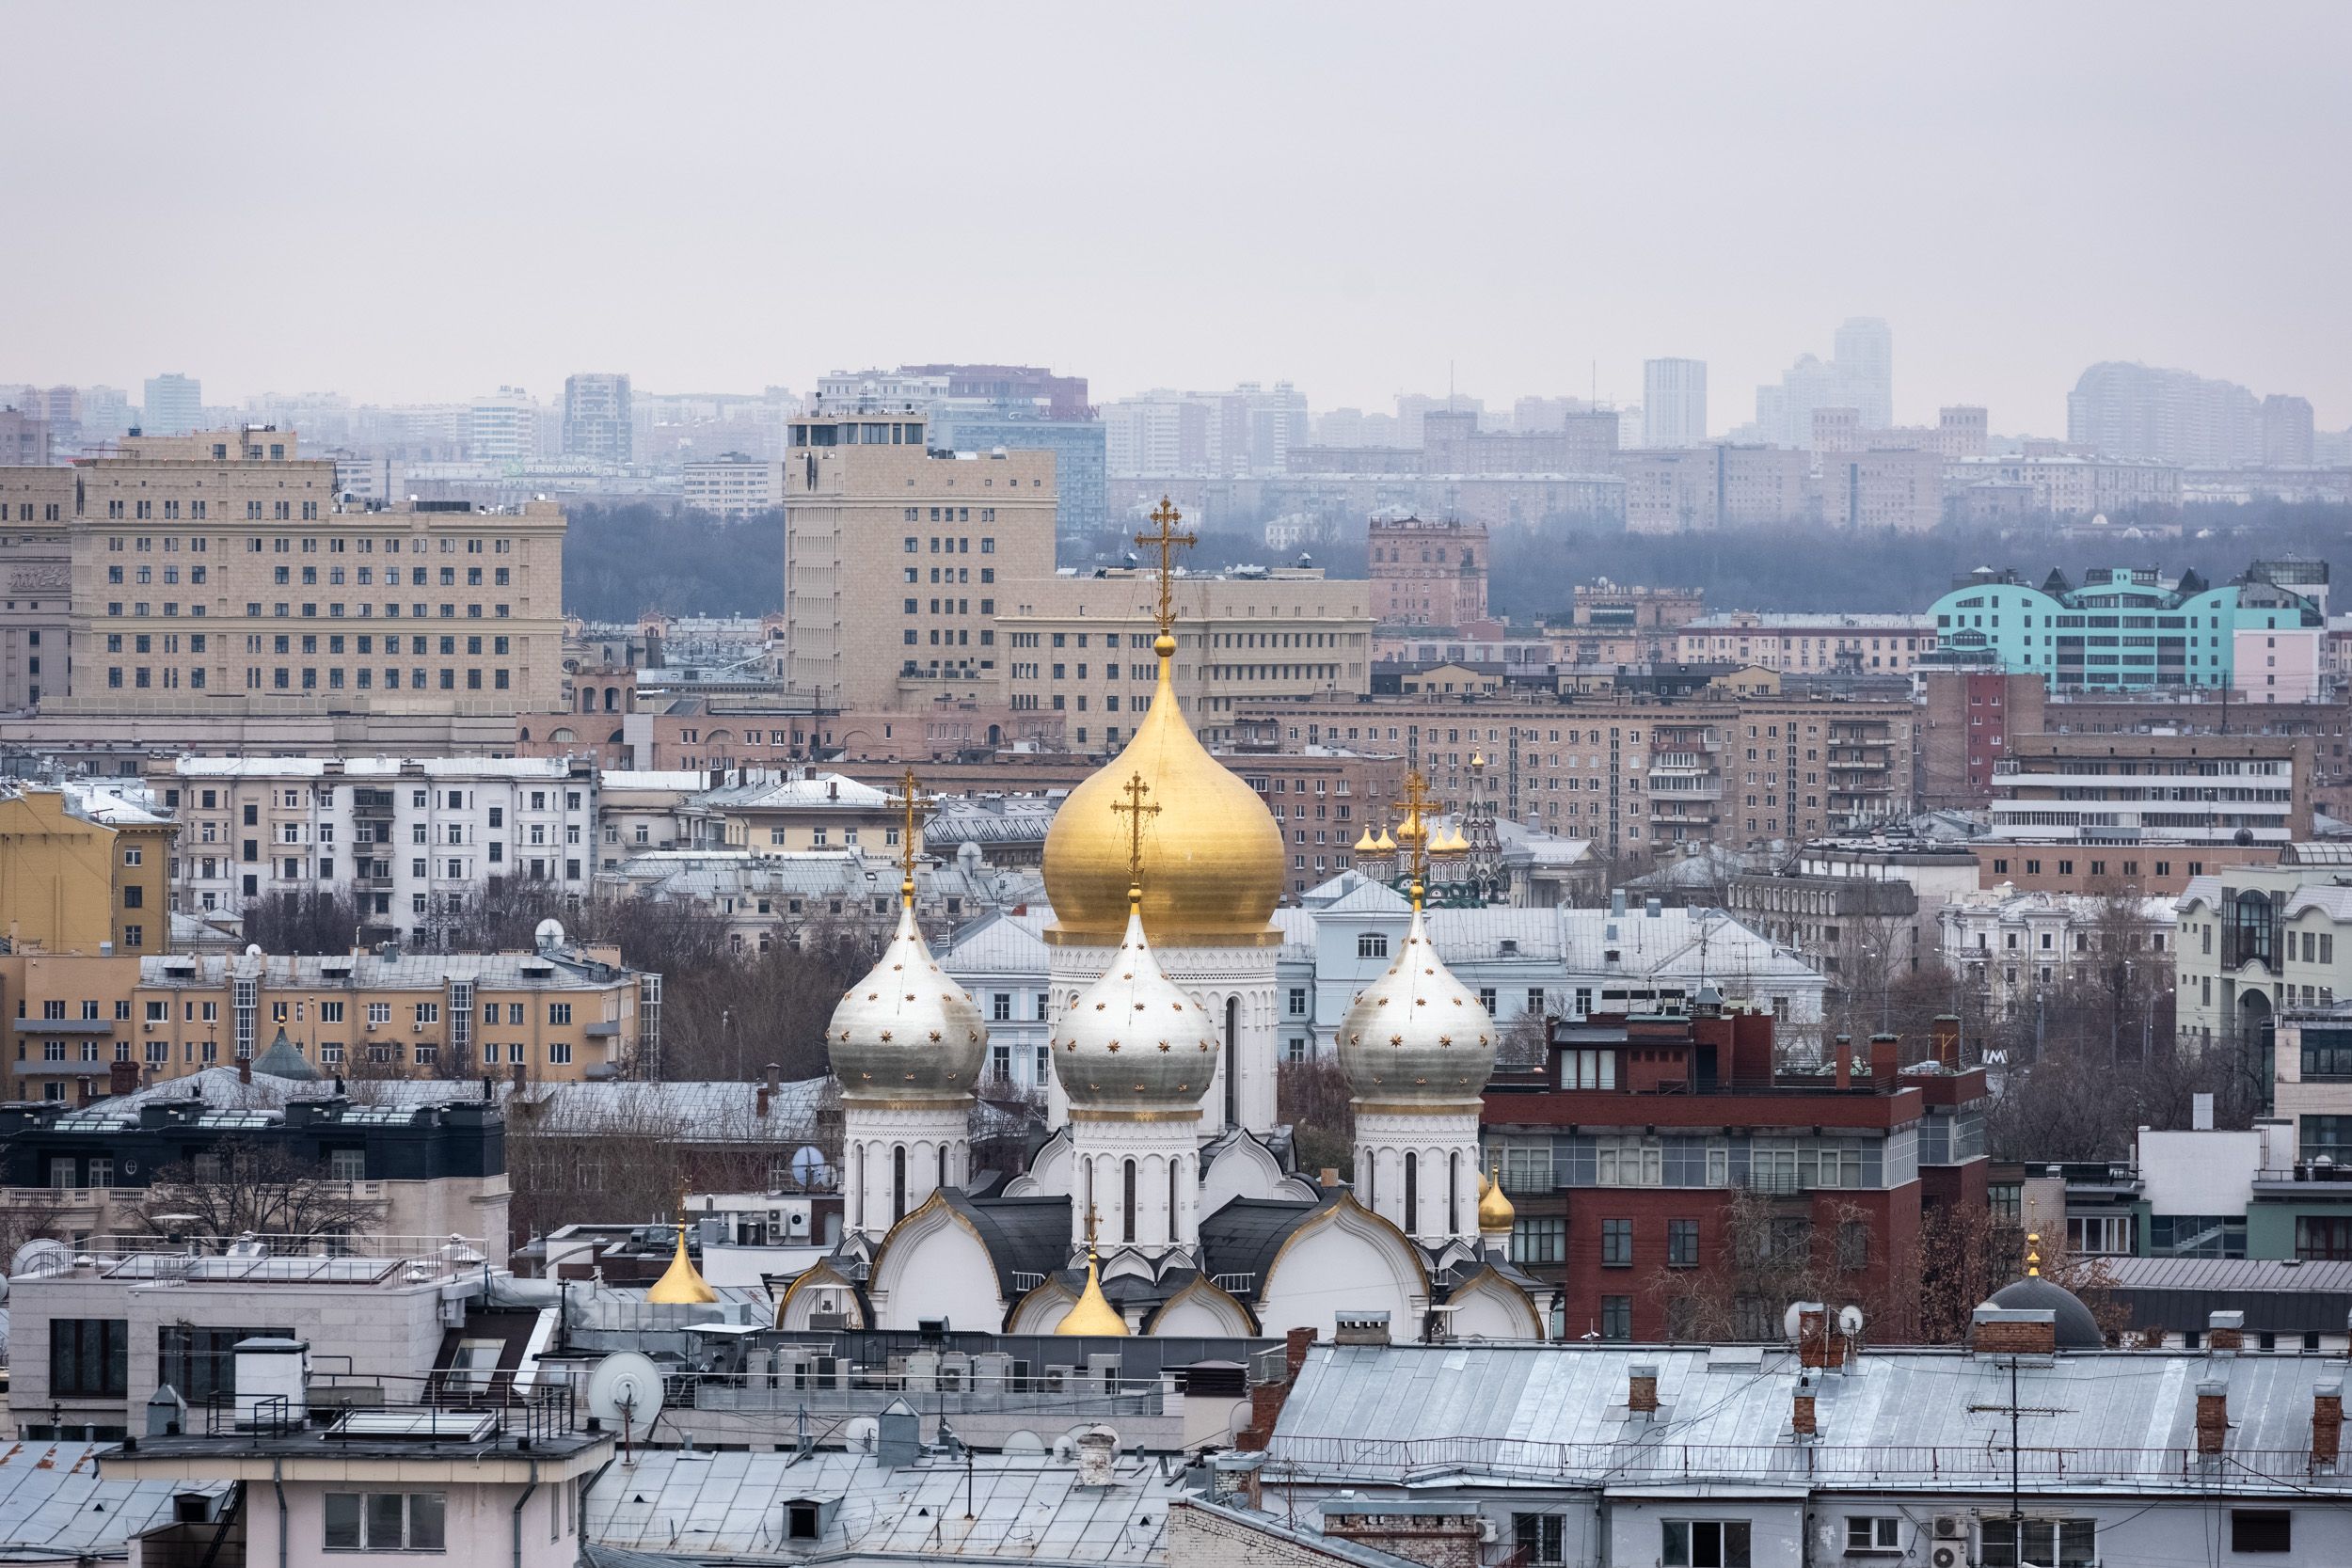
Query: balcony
(64,1026)
(1687,786)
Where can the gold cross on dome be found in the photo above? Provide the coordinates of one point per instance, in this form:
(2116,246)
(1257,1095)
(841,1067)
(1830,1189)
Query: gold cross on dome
(910,800)
(1135,810)
(1412,834)
(1166,542)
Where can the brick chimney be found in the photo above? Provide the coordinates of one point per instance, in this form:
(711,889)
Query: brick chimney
(1842,1055)
(123,1078)
(244,1070)
(1945,1033)
(2326,1420)
(516,1074)
(1641,1392)
(1438,1534)
(1801,1419)
(1267,1399)
(759,1101)
(2213,1415)
(2014,1331)
(1886,1057)
(2225,1332)
(1819,1343)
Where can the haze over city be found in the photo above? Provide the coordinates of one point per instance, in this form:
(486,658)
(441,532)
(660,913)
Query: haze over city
(1186,195)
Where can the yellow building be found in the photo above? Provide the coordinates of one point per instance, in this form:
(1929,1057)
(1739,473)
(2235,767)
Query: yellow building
(560,1014)
(84,870)
(774,814)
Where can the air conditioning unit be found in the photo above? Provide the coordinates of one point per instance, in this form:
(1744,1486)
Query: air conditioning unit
(1948,1553)
(1951,1526)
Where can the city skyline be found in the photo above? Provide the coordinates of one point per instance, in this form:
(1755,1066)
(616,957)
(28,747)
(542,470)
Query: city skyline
(1265,252)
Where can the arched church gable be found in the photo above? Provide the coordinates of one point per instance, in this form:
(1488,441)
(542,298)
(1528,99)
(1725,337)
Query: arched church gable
(933,1265)
(1343,1259)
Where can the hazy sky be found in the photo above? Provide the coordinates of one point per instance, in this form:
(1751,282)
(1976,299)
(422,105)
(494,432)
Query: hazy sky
(415,202)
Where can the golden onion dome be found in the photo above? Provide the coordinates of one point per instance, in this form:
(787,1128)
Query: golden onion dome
(906,1030)
(1093,1312)
(1212,863)
(681,1284)
(1417,1034)
(1495,1212)
(1365,844)
(1384,844)
(1134,1039)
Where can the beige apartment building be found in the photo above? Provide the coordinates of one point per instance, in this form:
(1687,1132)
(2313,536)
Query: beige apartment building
(220,576)
(896,557)
(36,584)
(1081,646)
(564,1014)
(1636,776)
(1802,643)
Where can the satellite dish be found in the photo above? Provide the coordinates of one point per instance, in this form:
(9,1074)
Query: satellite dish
(1850,1319)
(1791,1322)
(808,1165)
(252,949)
(1024,1441)
(42,1255)
(549,933)
(625,1393)
(861,1433)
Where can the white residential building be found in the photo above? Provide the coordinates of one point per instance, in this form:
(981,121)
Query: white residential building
(1674,403)
(411,839)
(734,486)
(2009,943)
(503,427)
(2258,940)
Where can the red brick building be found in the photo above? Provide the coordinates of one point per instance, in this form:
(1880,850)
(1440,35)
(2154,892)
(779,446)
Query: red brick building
(1624,1153)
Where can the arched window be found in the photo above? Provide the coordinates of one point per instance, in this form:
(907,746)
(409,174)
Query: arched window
(1127,1204)
(943,1167)
(1413,1194)
(1233,1061)
(897,1183)
(2252,931)
(1453,1193)
(1175,1185)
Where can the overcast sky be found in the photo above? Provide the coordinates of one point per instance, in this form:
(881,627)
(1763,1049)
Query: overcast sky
(407,202)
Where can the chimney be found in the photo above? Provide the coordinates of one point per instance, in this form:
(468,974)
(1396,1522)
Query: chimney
(1330,1178)
(1268,1393)
(1818,1342)
(760,1103)
(1947,1037)
(2326,1420)
(1842,1050)
(244,1070)
(2225,1332)
(1359,1328)
(1801,1419)
(516,1073)
(1884,1058)
(2213,1415)
(2014,1331)
(123,1078)
(775,1078)
(1641,1394)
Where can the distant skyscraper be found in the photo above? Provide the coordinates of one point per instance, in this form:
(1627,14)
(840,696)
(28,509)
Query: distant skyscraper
(596,419)
(175,406)
(1864,363)
(2287,436)
(1673,402)
(503,427)
(2124,411)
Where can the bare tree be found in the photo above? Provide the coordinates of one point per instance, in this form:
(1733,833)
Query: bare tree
(1316,1100)
(303,921)
(245,1185)
(1773,1253)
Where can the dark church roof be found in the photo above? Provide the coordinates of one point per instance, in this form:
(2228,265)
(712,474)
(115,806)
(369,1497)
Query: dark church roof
(2076,1328)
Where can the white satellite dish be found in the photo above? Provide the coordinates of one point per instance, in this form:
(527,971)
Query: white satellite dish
(549,933)
(1850,1319)
(42,1255)
(860,1433)
(1791,1322)
(625,1393)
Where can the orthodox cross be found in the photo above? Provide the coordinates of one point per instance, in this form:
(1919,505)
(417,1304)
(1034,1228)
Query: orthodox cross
(910,800)
(1412,834)
(1166,542)
(1135,810)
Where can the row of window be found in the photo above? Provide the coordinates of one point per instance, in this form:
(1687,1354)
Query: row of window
(283,610)
(283,545)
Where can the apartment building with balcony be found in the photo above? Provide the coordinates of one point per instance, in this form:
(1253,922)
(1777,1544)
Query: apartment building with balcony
(1623,1152)
(2144,793)
(413,841)
(559,1013)
(2256,942)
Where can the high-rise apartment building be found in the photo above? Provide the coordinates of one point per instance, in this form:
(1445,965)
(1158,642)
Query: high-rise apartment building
(23,438)
(1864,357)
(2124,411)
(503,427)
(1427,574)
(1860,375)
(2287,432)
(894,558)
(174,406)
(1673,402)
(596,420)
(220,575)
(1157,434)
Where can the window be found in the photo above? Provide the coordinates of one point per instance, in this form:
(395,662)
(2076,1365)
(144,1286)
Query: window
(1682,1243)
(1371,944)
(1539,1239)
(2260,1529)
(89,1357)
(2322,1238)
(1706,1543)
(1616,1322)
(1873,1533)
(558,1012)
(1539,1539)
(1616,1243)
(2046,1543)
(383,1521)
(201,1363)
(347,1164)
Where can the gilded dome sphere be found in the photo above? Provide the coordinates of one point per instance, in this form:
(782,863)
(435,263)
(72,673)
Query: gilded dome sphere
(906,1030)
(1417,1034)
(1134,1040)
(1212,857)
(1494,1213)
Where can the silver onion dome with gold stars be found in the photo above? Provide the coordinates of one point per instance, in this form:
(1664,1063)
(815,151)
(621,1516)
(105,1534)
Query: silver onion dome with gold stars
(907,1031)
(1417,1034)
(1134,1041)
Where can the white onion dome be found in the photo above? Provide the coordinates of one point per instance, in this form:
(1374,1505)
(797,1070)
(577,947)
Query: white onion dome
(907,1029)
(1417,1034)
(1134,1039)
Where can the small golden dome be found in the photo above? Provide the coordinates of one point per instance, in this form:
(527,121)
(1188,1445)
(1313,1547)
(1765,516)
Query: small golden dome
(1212,861)
(1478,759)
(1495,1212)
(681,1284)
(1384,844)
(1366,845)
(1093,1314)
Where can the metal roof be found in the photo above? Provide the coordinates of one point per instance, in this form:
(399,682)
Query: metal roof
(53,1505)
(1924,1418)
